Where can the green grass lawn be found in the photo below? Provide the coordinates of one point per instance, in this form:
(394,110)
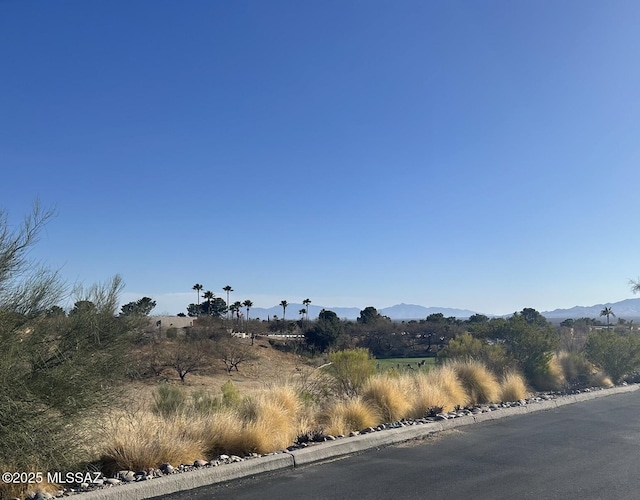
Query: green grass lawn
(404,363)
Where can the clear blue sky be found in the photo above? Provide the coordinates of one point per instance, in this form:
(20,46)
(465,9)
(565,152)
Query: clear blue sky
(479,155)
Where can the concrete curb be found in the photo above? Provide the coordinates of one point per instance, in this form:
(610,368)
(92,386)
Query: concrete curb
(189,480)
(323,452)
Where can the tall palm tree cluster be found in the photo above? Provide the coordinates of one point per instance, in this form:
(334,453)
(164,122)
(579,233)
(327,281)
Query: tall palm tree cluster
(231,309)
(235,308)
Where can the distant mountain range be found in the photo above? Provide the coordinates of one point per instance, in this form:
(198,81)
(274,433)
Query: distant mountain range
(627,309)
(397,312)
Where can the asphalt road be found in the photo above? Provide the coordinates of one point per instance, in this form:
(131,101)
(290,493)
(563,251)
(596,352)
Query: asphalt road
(588,450)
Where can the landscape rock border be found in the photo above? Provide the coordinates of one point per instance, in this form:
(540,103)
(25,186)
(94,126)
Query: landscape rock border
(332,449)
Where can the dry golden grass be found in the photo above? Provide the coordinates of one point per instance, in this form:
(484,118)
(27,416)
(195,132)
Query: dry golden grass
(513,387)
(143,440)
(480,383)
(389,395)
(600,379)
(446,378)
(270,421)
(24,490)
(221,432)
(427,395)
(342,417)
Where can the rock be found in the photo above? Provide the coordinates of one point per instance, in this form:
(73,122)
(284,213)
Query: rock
(127,476)
(329,437)
(200,463)
(236,458)
(167,468)
(112,481)
(353,433)
(42,495)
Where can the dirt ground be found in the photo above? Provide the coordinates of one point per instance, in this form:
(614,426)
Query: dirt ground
(271,366)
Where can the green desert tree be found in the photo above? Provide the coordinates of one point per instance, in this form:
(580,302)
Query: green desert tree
(618,355)
(325,332)
(140,307)
(530,343)
(369,315)
(55,370)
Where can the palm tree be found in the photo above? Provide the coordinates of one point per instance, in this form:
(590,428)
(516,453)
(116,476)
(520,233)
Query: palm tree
(234,308)
(197,287)
(227,289)
(209,295)
(607,312)
(306,303)
(284,305)
(302,312)
(237,306)
(635,285)
(248,304)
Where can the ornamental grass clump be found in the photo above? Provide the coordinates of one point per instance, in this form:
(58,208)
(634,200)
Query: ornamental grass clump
(389,395)
(480,383)
(427,395)
(513,387)
(345,416)
(142,440)
(446,378)
(271,420)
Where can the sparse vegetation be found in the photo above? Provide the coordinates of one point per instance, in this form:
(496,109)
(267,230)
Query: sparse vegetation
(59,372)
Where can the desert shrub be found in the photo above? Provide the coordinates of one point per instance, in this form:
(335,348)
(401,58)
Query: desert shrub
(617,355)
(577,370)
(171,332)
(479,382)
(551,378)
(344,416)
(169,400)
(389,395)
(530,341)
(467,347)
(512,387)
(350,369)
(203,403)
(230,394)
